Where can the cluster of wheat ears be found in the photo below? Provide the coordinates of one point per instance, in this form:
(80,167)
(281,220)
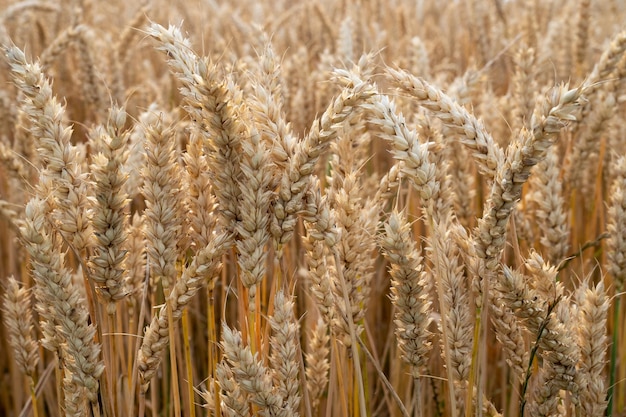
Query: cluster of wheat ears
(315,208)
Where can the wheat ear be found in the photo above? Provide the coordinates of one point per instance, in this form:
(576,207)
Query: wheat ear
(593,341)
(410,290)
(295,182)
(284,359)
(162,191)
(213,108)
(66,328)
(62,159)
(18,320)
(204,266)
(109,217)
(318,365)
(485,150)
(252,375)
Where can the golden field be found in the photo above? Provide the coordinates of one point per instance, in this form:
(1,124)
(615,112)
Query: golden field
(314,208)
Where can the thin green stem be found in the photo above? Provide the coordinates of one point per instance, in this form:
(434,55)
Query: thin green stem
(533,354)
(613,363)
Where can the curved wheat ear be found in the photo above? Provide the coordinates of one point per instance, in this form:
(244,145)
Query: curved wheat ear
(296,179)
(488,154)
(608,62)
(11,11)
(531,147)
(405,147)
(204,266)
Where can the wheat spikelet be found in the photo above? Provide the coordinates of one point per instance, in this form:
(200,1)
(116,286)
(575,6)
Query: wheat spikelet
(254,211)
(550,212)
(88,71)
(509,333)
(234,400)
(296,179)
(405,147)
(356,224)
(253,377)
(454,305)
(61,43)
(524,85)
(267,107)
(120,51)
(24,6)
(545,399)
(321,237)
(581,45)
(136,158)
(200,199)
(609,60)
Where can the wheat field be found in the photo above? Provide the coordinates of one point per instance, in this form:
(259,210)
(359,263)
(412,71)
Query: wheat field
(317,208)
